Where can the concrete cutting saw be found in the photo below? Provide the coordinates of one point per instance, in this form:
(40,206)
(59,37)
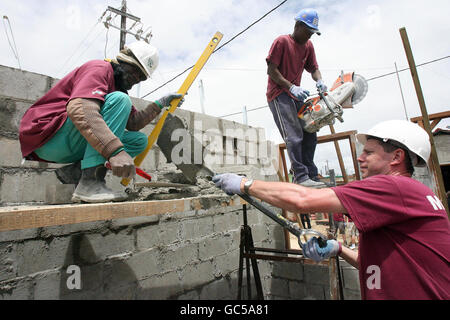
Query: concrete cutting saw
(319,111)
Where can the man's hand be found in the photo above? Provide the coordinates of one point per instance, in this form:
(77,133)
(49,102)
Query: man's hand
(167,99)
(122,165)
(312,250)
(299,93)
(230,183)
(321,87)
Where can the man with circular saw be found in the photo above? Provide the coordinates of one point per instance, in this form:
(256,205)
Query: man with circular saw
(87,118)
(288,57)
(404,244)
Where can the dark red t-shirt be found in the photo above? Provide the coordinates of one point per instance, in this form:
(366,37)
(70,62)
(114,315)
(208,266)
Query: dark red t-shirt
(291,59)
(92,80)
(338,217)
(404,248)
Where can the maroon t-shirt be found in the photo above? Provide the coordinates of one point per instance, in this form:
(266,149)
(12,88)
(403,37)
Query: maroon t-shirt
(404,248)
(291,59)
(92,80)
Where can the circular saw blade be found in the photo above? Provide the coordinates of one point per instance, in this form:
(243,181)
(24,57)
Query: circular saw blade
(361,88)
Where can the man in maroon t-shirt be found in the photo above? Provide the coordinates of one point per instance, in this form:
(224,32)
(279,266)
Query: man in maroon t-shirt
(404,242)
(288,57)
(87,118)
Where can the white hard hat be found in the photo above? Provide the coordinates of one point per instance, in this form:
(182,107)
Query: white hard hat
(146,55)
(411,135)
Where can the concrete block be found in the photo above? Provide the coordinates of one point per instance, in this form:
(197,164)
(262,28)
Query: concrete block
(18,235)
(195,275)
(11,112)
(155,235)
(24,84)
(38,255)
(316,274)
(296,290)
(279,287)
(8,261)
(177,256)
(314,292)
(47,286)
(139,266)
(160,287)
(17,290)
(216,290)
(26,186)
(350,277)
(59,193)
(227,263)
(214,246)
(226,222)
(196,228)
(136,221)
(95,247)
(63,230)
(285,270)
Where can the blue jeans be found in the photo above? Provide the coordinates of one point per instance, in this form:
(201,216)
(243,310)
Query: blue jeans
(300,145)
(68,145)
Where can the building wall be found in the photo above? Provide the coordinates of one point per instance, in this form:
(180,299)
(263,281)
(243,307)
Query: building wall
(186,255)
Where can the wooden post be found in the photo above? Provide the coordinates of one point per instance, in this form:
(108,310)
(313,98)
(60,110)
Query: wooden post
(434,162)
(123,25)
(339,155)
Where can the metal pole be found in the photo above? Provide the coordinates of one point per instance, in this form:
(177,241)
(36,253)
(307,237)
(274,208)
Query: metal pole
(123,25)
(401,91)
(202,96)
(434,163)
(244,114)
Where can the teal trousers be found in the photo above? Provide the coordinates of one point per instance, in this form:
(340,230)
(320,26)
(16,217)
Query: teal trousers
(68,145)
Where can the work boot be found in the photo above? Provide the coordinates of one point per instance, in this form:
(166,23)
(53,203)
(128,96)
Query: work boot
(92,187)
(312,184)
(70,174)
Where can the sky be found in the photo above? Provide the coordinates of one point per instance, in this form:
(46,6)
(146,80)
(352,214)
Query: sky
(54,37)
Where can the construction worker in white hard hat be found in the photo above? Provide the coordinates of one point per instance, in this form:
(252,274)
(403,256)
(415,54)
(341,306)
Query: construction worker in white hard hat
(288,57)
(87,118)
(404,231)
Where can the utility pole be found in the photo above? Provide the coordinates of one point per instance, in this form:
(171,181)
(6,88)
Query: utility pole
(140,34)
(123,25)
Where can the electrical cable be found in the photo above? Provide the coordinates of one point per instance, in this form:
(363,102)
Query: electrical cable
(217,49)
(14,49)
(374,78)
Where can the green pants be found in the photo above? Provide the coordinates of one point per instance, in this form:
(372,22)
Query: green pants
(68,145)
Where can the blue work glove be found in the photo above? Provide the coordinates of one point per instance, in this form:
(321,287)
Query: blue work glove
(321,87)
(230,183)
(299,93)
(167,99)
(312,250)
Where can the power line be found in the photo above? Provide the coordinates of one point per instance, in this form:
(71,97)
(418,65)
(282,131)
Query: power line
(14,49)
(217,49)
(374,78)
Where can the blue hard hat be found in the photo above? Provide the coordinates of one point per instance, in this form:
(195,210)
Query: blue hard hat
(310,18)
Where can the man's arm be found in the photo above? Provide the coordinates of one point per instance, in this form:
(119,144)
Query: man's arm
(316,75)
(295,198)
(350,256)
(277,77)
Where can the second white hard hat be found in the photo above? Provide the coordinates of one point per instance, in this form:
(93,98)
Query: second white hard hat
(411,135)
(147,56)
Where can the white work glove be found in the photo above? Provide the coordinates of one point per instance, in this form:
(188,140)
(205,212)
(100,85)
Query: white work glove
(321,87)
(299,93)
(167,99)
(230,183)
(312,250)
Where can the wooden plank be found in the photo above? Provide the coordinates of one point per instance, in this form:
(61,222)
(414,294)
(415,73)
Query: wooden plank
(18,218)
(434,116)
